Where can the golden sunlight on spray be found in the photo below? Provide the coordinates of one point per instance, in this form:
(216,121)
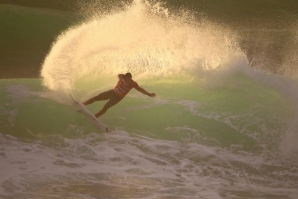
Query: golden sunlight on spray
(144,39)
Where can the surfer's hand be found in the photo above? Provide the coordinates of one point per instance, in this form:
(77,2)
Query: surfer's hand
(151,95)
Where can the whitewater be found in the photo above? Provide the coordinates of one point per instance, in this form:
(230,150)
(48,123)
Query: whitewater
(217,129)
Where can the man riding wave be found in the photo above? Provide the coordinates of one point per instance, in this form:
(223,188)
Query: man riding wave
(124,85)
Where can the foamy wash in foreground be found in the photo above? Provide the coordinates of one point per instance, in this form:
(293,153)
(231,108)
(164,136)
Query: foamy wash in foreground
(217,128)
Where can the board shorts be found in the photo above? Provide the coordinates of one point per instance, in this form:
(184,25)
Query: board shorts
(108,95)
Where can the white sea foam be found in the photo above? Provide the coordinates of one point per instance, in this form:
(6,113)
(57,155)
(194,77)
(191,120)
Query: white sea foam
(120,160)
(191,159)
(152,43)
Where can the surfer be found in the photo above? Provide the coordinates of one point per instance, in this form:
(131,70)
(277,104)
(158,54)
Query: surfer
(124,85)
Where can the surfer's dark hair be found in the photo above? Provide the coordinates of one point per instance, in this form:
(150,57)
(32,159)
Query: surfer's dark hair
(128,75)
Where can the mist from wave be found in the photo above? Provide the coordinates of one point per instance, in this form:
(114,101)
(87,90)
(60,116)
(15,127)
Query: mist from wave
(145,39)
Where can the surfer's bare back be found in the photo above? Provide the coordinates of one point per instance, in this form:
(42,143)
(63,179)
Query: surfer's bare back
(124,85)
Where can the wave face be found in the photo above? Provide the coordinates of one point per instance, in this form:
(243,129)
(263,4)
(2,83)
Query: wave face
(217,128)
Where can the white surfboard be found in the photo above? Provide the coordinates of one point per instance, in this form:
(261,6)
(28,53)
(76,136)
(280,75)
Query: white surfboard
(90,116)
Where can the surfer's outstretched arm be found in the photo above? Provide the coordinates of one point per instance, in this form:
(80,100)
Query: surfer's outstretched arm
(140,89)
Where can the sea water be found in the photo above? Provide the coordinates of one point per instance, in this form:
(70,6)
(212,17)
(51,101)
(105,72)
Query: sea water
(217,128)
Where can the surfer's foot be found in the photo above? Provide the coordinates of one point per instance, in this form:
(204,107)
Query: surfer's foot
(97,115)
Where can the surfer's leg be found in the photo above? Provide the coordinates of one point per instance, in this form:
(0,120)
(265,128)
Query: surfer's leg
(104,109)
(114,100)
(89,101)
(101,112)
(102,96)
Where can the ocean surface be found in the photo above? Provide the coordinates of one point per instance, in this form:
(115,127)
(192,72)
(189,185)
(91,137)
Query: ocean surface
(224,123)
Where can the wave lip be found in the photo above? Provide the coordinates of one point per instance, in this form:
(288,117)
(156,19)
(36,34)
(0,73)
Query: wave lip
(144,39)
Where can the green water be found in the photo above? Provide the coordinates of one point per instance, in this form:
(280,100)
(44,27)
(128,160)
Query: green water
(26,37)
(227,115)
(222,126)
